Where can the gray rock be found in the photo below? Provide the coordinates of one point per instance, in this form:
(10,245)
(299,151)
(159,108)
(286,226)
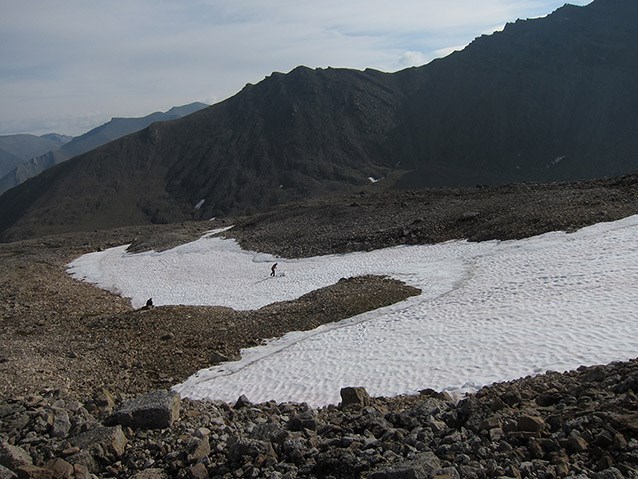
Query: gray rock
(577,444)
(34,472)
(13,457)
(200,450)
(604,439)
(356,396)
(7,410)
(60,468)
(105,401)
(17,422)
(61,423)
(103,443)
(548,398)
(305,420)
(437,426)
(242,402)
(611,473)
(619,441)
(83,459)
(403,472)
(447,473)
(421,467)
(531,423)
(7,473)
(155,410)
(240,448)
(442,395)
(82,472)
(216,357)
(198,471)
(491,423)
(153,473)
(269,432)
(496,434)
(469,215)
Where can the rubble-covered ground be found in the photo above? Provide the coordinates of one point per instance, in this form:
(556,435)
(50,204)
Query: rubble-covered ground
(581,424)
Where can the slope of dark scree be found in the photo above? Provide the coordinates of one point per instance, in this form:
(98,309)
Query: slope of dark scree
(365,221)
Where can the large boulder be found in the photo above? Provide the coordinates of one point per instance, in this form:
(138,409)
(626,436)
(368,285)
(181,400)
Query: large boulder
(529,423)
(61,423)
(103,443)
(34,472)
(155,410)
(354,396)
(60,468)
(13,457)
(7,473)
(83,463)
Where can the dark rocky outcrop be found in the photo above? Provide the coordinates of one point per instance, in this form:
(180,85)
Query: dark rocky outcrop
(154,410)
(354,396)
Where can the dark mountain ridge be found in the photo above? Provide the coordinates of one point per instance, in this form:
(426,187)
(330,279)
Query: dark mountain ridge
(544,100)
(119,127)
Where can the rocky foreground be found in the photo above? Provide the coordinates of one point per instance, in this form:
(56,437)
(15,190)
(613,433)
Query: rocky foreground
(581,424)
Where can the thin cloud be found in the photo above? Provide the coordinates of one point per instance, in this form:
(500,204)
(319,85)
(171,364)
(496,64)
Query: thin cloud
(443,52)
(412,59)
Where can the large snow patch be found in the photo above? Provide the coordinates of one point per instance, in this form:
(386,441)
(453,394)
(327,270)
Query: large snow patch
(489,311)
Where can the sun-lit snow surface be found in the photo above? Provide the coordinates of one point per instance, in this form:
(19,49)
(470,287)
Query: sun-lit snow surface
(489,311)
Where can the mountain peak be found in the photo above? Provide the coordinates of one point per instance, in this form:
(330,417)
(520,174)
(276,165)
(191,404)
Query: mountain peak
(184,110)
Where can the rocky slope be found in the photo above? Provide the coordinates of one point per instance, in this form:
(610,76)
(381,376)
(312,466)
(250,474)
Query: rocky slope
(546,99)
(62,342)
(365,221)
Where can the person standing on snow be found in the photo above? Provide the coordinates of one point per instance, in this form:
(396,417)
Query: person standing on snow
(272,270)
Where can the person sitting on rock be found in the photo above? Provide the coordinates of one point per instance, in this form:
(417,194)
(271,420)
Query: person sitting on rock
(149,304)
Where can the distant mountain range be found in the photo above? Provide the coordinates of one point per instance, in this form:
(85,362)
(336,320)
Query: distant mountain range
(63,147)
(547,99)
(16,149)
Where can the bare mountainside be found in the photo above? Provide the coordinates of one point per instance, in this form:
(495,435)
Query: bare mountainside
(544,100)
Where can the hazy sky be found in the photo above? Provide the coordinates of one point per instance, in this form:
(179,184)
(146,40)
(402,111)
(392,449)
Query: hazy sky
(70,65)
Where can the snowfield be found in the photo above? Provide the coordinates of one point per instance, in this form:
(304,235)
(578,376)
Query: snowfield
(489,311)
